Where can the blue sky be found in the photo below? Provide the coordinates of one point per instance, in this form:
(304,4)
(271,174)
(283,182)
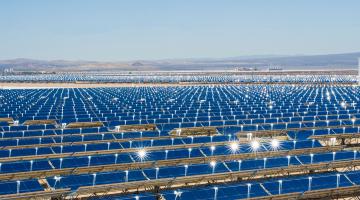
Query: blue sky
(118,30)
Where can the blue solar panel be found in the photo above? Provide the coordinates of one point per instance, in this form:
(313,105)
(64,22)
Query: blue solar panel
(230,109)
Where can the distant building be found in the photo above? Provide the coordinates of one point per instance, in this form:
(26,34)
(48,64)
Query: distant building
(246,69)
(275,68)
(8,70)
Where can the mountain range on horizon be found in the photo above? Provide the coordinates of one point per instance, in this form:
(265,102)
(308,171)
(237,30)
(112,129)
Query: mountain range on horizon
(261,62)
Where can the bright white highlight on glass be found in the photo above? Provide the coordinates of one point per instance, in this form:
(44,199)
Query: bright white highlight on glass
(255,145)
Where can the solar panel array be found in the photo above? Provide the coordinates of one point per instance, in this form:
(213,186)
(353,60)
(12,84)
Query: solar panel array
(181,77)
(184,142)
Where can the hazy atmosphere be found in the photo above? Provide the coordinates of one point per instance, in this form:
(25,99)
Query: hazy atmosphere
(113,30)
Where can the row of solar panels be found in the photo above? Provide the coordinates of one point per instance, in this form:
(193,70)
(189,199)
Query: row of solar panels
(176,78)
(223,120)
(200,95)
(192,170)
(230,191)
(75,181)
(106,158)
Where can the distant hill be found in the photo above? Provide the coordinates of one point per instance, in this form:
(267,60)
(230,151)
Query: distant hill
(348,60)
(331,61)
(64,65)
(137,64)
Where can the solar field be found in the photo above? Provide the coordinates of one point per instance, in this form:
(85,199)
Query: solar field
(216,137)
